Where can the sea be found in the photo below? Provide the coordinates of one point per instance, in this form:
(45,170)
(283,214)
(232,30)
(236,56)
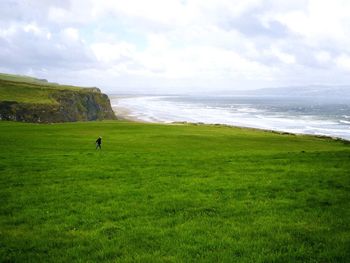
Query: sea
(293,115)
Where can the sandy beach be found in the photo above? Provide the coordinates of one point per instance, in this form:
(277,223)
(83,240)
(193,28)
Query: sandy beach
(123,113)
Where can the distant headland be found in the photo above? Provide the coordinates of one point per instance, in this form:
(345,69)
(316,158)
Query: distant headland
(29,99)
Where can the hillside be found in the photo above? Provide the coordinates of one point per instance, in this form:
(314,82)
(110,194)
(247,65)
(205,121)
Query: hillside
(171,193)
(29,99)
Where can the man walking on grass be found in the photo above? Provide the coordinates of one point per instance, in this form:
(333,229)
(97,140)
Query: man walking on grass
(98,143)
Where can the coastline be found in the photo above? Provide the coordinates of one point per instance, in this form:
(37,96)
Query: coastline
(124,113)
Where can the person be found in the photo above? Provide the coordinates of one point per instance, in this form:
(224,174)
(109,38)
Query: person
(98,143)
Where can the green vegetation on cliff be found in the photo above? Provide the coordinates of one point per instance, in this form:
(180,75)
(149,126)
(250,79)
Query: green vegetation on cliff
(33,100)
(171,193)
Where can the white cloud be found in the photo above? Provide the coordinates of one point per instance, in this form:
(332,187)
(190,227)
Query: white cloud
(167,12)
(71,34)
(182,43)
(283,57)
(57,14)
(343,62)
(6,33)
(110,52)
(33,29)
(323,56)
(319,20)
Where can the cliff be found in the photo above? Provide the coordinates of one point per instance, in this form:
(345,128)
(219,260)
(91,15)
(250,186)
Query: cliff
(46,103)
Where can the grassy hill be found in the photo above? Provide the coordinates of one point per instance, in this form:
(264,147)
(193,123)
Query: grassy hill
(29,99)
(31,90)
(171,193)
(23,78)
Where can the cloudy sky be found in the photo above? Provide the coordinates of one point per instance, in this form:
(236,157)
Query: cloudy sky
(177,45)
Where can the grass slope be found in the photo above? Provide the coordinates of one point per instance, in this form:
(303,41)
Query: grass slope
(29,90)
(21,78)
(171,193)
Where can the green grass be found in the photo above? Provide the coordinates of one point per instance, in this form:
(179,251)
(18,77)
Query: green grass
(20,78)
(30,90)
(171,193)
(10,91)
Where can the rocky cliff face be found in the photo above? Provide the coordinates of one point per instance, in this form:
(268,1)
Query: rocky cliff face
(86,105)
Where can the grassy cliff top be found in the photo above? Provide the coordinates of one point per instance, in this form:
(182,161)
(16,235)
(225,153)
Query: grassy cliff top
(31,90)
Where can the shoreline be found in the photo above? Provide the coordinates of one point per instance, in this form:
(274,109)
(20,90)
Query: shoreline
(123,113)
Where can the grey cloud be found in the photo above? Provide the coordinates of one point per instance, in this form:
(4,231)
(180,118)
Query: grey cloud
(251,26)
(27,10)
(27,50)
(252,35)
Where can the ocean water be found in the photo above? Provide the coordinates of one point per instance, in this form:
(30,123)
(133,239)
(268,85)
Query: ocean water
(295,115)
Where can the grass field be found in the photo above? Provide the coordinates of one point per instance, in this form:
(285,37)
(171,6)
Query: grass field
(171,193)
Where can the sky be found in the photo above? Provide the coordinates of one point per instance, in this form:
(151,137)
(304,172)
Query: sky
(177,46)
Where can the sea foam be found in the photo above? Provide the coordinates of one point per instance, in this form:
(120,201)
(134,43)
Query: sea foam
(293,119)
